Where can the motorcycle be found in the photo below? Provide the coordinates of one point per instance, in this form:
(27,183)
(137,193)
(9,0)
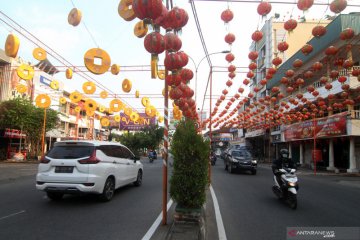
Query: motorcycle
(213,160)
(287,189)
(152,156)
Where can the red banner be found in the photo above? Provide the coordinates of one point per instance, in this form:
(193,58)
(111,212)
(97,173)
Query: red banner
(334,125)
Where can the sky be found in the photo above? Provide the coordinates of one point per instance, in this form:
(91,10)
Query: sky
(47,20)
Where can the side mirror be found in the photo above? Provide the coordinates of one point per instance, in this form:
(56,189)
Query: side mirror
(135,158)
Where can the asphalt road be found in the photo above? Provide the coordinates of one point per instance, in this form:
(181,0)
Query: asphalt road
(250,211)
(26,213)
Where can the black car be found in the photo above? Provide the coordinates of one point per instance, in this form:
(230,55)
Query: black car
(240,159)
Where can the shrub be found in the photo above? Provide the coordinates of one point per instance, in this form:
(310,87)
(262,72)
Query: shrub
(191,162)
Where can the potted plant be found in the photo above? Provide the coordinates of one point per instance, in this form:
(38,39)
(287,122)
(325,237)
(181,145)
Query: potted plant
(191,161)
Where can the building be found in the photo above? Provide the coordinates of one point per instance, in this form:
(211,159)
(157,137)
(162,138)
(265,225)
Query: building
(273,33)
(319,119)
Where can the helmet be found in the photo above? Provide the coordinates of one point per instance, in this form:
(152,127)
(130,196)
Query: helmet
(284,153)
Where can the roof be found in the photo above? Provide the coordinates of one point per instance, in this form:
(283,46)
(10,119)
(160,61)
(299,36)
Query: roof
(46,66)
(87,142)
(334,29)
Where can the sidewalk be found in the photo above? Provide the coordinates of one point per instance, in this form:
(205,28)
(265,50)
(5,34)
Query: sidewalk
(205,228)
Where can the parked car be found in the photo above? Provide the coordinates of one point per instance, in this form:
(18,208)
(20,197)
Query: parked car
(73,167)
(240,159)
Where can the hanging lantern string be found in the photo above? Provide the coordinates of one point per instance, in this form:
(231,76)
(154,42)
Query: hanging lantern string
(87,29)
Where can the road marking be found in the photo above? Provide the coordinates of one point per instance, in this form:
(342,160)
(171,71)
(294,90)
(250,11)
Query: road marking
(155,225)
(11,215)
(219,222)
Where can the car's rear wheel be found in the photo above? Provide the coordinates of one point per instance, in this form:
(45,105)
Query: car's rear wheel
(109,190)
(138,181)
(55,196)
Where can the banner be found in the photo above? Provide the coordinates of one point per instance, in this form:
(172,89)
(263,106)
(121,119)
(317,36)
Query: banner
(334,125)
(127,125)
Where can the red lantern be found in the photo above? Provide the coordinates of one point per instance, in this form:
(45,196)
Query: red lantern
(284,80)
(297,63)
(231,75)
(264,8)
(172,61)
(315,93)
(227,15)
(289,89)
(231,68)
(237,96)
(290,25)
(224,92)
(229,57)
(186,75)
(337,6)
(334,74)
(323,80)
(331,51)
(342,79)
(328,86)
(175,93)
(355,72)
(290,73)
(250,74)
(263,81)
(305,4)
(317,66)
(177,18)
(154,43)
(229,83)
(161,20)
(300,81)
(318,31)
(253,55)
(275,89)
(172,42)
(306,49)
(345,87)
(229,38)
(271,71)
(348,64)
(347,34)
(308,74)
(250,95)
(252,66)
(277,61)
(184,59)
(246,81)
(151,9)
(257,36)
(283,46)
(256,89)
(310,89)
(222,97)
(241,90)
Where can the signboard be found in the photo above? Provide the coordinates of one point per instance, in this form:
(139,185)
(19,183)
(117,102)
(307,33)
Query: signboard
(334,125)
(127,124)
(255,133)
(13,133)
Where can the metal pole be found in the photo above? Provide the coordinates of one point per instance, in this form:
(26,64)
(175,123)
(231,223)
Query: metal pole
(314,146)
(43,135)
(210,129)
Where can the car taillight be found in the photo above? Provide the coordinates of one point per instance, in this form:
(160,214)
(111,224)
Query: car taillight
(44,160)
(91,160)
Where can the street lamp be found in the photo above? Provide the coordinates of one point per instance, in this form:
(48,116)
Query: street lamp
(196,71)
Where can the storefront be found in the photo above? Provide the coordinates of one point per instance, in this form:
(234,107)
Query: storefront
(12,142)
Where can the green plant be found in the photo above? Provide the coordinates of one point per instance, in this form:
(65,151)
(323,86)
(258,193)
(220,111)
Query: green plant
(191,160)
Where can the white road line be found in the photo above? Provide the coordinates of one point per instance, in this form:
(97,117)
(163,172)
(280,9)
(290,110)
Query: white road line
(153,228)
(219,222)
(11,215)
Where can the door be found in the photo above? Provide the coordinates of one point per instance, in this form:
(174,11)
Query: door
(132,166)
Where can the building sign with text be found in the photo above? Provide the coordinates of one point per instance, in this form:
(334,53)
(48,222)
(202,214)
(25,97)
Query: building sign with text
(334,125)
(127,124)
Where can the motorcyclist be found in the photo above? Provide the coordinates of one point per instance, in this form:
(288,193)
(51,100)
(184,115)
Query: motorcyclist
(284,161)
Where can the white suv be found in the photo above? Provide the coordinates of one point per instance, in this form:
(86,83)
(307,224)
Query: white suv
(98,167)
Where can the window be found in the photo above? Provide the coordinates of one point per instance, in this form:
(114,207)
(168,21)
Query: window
(70,152)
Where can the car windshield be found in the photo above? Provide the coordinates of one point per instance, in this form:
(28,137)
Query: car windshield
(70,152)
(245,154)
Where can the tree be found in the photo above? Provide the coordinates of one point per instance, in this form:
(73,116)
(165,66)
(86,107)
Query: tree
(20,114)
(191,160)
